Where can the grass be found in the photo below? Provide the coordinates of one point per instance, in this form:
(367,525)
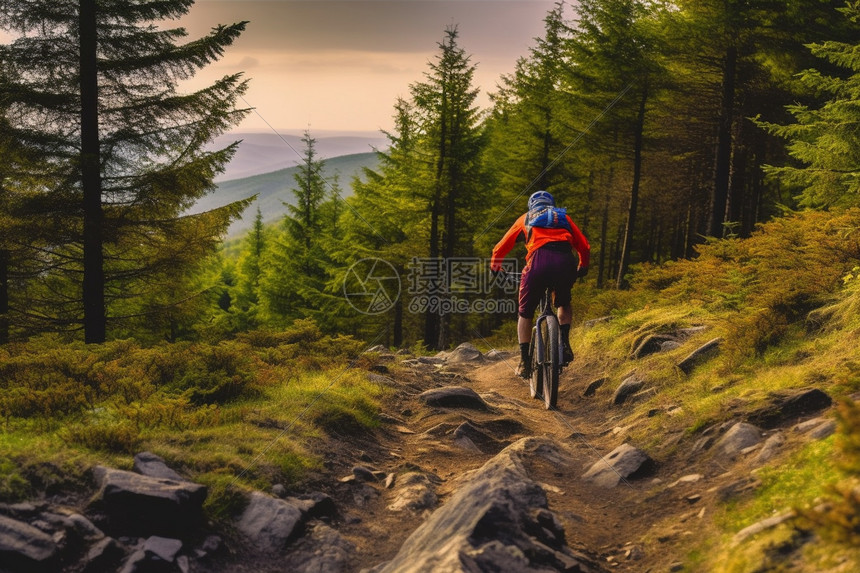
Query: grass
(234,415)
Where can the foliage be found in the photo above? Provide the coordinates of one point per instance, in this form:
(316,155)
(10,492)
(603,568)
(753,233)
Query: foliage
(826,141)
(119,155)
(214,408)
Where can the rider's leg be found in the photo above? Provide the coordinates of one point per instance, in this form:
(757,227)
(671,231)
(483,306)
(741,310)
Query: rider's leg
(565,316)
(524,333)
(524,330)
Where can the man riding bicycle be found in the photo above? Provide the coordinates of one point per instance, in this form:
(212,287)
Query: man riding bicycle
(551,237)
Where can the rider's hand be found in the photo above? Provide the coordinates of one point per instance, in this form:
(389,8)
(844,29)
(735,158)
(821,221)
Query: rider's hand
(581,272)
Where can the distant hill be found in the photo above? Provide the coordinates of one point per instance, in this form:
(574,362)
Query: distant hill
(261,153)
(275,188)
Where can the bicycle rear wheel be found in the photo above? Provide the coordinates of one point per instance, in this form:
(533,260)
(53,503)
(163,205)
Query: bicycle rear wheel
(551,361)
(536,378)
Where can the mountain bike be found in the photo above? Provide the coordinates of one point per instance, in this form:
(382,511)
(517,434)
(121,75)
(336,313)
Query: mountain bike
(545,351)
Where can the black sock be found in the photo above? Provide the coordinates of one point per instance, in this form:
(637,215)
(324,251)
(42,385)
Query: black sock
(524,351)
(565,333)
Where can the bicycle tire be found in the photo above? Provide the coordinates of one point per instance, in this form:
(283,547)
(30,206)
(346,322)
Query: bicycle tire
(551,362)
(536,377)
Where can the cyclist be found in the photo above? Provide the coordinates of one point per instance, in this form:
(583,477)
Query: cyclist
(551,238)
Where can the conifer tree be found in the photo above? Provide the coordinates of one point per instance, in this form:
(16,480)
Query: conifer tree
(826,140)
(451,141)
(295,270)
(93,85)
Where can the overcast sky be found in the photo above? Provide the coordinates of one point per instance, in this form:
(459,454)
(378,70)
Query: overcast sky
(341,64)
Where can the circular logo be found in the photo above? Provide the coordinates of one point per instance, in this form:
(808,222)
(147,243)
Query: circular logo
(371,286)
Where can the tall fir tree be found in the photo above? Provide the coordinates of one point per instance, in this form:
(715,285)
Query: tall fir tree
(296,271)
(451,141)
(93,85)
(826,140)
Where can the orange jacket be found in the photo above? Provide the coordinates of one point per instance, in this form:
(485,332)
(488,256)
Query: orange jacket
(539,237)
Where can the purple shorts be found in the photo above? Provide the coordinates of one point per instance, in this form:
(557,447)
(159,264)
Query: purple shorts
(547,269)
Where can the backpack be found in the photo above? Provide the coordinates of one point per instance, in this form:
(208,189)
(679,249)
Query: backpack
(546,217)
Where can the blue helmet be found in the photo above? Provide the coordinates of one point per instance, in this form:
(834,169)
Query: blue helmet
(541,198)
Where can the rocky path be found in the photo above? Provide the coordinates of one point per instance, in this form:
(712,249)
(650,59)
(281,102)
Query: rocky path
(466,473)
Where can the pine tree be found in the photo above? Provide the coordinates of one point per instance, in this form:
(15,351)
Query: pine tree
(451,141)
(296,269)
(826,141)
(94,87)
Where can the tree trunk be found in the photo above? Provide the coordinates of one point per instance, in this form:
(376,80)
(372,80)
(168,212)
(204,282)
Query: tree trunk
(627,245)
(604,227)
(722,162)
(95,321)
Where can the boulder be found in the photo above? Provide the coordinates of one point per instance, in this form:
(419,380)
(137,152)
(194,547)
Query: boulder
(322,550)
(592,387)
(469,433)
(414,492)
(623,462)
(453,397)
(148,464)
(701,354)
(788,405)
(651,344)
(24,548)
(770,448)
(136,504)
(497,521)
(466,352)
(627,388)
(738,438)
(270,523)
(104,555)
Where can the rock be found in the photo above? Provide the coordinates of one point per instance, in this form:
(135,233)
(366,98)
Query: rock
(24,548)
(316,505)
(210,546)
(626,389)
(149,464)
(770,448)
(162,548)
(497,521)
(378,348)
(823,430)
(270,522)
(484,443)
(415,492)
(670,345)
(651,344)
(763,525)
(104,555)
(453,397)
(595,321)
(788,405)
(623,462)
(593,386)
(143,505)
(739,437)
(322,550)
(465,353)
(279,490)
(690,478)
(495,355)
(701,354)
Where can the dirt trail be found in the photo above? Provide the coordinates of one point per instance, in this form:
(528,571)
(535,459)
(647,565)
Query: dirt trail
(636,526)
